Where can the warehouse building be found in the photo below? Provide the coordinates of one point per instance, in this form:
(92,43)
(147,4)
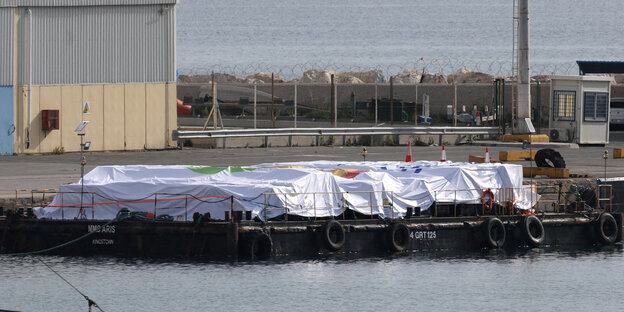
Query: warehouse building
(109,62)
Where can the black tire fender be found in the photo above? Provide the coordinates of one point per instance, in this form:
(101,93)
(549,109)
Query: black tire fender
(606,229)
(398,236)
(494,233)
(333,235)
(532,230)
(261,247)
(550,154)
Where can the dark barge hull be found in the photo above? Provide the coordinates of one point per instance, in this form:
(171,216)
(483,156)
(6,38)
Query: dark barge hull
(257,240)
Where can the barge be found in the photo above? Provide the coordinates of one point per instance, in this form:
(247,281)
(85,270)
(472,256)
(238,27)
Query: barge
(302,210)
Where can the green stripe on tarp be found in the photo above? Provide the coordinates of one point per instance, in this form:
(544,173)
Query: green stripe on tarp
(213,170)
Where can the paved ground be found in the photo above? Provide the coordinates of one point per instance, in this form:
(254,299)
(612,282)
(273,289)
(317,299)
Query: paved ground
(48,171)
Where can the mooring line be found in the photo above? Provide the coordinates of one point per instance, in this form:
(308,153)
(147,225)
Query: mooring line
(89,300)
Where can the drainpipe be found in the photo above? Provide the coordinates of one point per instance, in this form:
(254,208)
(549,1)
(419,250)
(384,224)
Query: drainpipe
(29,72)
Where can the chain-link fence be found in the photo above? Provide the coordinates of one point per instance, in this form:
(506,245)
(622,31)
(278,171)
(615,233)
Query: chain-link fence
(307,105)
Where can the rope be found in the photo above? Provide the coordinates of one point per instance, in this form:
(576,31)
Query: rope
(91,302)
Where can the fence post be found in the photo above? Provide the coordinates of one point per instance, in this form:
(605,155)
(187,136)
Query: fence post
(285,207)
(314,204)
(391,100)
(416,105)
(335,104)
(231,208)
(295,104)
(454,123)
(392,204)
(370,201)
(376,107)
(331,98)
(255,103)
(273,100)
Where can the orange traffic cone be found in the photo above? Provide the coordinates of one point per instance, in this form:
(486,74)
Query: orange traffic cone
(443,158)
(408,157)
(487,155)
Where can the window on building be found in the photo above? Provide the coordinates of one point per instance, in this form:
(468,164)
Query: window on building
(596,106)
(564,104)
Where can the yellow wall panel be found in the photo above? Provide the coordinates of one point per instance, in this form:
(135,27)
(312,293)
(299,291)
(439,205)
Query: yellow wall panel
(135,116)
(49,98)
(113,117)
(172,113)
(130,117)
(155,114)
(94,94)
(71,117)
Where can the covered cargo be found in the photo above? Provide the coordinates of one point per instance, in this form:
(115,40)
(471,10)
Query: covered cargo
(305,189)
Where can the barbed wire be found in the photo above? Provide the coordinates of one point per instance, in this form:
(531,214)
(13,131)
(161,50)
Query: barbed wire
(442,67)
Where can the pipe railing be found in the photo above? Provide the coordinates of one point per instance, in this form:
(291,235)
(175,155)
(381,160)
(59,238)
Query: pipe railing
(505,197)
(387,201)
(235,133)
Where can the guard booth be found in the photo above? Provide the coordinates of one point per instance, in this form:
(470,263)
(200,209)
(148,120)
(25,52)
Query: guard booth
(580,109)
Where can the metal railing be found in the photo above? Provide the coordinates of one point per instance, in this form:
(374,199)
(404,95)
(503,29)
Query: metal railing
(85,206)
(234,133)
(387,201)
(32,195)
(168,198)
(505,198)
(608,199)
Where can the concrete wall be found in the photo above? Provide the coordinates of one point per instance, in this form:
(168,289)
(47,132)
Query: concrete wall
(122,117)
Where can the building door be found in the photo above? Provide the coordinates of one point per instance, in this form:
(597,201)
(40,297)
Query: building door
(7,128)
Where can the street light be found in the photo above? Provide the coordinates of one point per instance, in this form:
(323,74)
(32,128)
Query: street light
(84,146)
(605,156)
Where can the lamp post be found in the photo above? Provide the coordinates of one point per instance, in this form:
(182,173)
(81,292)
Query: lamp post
(605,155)
(84,146)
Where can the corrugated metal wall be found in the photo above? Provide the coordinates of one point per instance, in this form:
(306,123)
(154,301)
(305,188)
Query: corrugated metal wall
(33,3)
(6,46)
(98,44)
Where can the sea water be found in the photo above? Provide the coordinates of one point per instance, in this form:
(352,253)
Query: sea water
(249,36)
(527,280)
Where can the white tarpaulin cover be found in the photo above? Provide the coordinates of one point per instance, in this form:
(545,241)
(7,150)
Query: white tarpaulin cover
(308,189)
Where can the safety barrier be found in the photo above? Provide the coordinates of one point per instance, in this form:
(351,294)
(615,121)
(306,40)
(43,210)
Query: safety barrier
(236,133)
(505,198)
(91,204)
(608,199)
(388,200)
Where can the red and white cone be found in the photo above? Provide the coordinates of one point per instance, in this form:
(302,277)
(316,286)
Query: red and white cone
(408,157)
(487,155)
(443,158)
(478,120)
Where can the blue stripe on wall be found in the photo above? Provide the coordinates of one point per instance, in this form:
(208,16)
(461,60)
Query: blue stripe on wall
(7,128)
